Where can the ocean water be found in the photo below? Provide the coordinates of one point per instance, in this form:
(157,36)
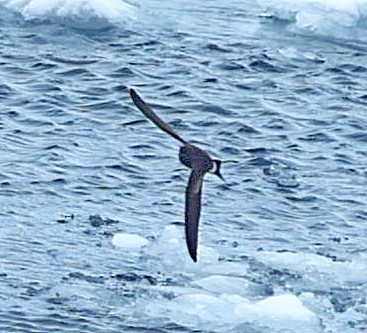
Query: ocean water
(92,195)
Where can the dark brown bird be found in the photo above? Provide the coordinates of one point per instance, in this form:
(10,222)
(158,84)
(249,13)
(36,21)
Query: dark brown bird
(198,161)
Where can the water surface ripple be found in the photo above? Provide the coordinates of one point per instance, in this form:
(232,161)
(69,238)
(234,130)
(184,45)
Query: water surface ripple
(79,163)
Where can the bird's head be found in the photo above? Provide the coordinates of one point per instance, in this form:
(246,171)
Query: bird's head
(216,169)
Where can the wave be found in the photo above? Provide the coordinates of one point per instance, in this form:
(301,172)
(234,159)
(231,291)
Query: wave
(325,17)
(78,13)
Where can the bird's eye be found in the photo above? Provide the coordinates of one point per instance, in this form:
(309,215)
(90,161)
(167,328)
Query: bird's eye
(214,168)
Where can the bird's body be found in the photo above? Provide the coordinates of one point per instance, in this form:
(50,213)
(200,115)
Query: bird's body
(195,158)
(198,161)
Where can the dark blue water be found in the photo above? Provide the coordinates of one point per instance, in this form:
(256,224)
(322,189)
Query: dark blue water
(284,104)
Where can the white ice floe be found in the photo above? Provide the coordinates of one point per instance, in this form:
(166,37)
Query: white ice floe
(171,250)
(281,313)
(129,241)
(92,11)
(321,270)
(225,284)
(328,17)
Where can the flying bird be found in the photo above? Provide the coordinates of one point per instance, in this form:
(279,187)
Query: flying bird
(198,161)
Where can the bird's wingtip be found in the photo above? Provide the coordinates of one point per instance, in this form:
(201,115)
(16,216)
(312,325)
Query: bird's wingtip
(193,254)
(131,90)
(194,258)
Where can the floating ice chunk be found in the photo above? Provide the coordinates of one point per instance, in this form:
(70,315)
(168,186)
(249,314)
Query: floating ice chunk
(224,284)
(323,271)
(228,268)
(328,17)
(304,5)
(170,248)
(198,310)
(282,312)
(83,10)
(283,307)
(298,261)
(129,241)
(204,306)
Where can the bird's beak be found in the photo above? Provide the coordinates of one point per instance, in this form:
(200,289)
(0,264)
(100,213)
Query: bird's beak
(220,176)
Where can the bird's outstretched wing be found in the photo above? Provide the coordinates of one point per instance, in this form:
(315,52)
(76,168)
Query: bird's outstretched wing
(192,211)
(151,115)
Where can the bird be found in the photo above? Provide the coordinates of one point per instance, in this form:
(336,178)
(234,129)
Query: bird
(200,163)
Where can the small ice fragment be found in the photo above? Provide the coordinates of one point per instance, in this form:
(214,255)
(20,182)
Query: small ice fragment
(224,284)
(128,241)
(281,312)
(285,306)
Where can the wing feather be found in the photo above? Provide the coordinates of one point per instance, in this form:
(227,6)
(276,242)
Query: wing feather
(152,116)
(192,212)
